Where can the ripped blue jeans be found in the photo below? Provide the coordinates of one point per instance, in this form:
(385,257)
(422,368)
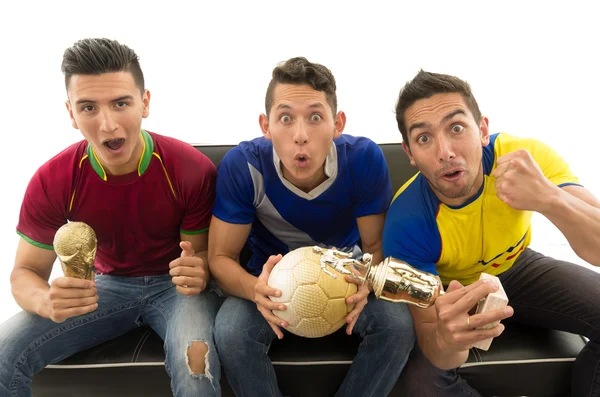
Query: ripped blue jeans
(29,342)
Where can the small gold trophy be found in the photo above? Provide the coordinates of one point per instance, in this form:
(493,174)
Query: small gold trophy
(75,245)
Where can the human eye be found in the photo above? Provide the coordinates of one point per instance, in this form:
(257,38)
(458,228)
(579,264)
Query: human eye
(315,117)
(87,108)
(121,104)
(422,139)
(456,128)
(285,119)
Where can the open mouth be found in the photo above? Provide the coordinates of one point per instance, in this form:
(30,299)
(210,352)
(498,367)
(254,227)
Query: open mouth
(452,174)
(114,144)
(301,159)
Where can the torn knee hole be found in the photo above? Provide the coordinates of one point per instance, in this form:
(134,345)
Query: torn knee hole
(197,357)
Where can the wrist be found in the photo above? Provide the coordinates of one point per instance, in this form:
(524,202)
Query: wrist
(551,201)
(41,299)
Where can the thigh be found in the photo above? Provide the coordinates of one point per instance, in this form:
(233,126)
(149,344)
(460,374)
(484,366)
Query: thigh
(240,319)
(553,294)
(186,317)
(29,339)
(379,314)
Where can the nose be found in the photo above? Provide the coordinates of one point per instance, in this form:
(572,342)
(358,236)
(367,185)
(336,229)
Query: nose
(107,121)
(445,150)
(301,133)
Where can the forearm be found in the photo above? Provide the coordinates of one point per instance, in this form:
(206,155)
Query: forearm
(30,291)
(375,250)
(578,221)
(439,356)
(232,277)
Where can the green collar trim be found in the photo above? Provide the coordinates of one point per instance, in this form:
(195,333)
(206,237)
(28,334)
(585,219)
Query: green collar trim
(143,164)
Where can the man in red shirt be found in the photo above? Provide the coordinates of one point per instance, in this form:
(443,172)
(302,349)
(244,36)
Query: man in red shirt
(149,199)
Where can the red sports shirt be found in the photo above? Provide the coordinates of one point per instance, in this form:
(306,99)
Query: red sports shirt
(137,217)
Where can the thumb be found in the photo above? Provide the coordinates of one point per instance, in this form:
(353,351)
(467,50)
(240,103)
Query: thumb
(186,249)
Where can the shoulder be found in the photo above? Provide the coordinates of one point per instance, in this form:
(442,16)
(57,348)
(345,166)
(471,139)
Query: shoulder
(180,156)
(65,163)
(255,152)
(356,145)
(359,152)
(414,201)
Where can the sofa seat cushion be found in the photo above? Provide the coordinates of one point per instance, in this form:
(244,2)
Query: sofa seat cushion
(522,361)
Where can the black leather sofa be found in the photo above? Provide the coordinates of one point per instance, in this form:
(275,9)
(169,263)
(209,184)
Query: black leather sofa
(523,361)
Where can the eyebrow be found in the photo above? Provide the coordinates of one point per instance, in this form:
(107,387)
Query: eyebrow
(121,98)
(446,118)
(317,105)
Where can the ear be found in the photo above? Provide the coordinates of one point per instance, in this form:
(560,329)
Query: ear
(409,154)
(146,104)
(484,130)
(340,124)
(263,121)
(70,110)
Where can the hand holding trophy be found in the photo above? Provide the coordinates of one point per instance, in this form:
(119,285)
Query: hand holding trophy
(75,245)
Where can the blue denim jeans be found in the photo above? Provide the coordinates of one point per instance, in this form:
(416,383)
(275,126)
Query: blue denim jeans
(29,342)
(243,338)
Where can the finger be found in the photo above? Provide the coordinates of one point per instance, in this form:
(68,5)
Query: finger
(187,250)
(262,288)
(351,325)
(471,298)
(188,281)
(72,282)
(484,319)
(74,303)
(186,261)
(359,296)
(69,293)
(271,318)
(456,291)
(268,303)
(189,271)
(188,291)
(354,280)
(467,339)
(500,170)
(352,317)
(62,315)
(269,265)
(508,157)
(276,329)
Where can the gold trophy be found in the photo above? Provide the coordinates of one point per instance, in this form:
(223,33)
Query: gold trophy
(75,245)
(392,280)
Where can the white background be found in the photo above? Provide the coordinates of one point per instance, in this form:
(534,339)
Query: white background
(534,68)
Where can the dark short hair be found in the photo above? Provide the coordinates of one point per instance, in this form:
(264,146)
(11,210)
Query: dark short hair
(300,71)
(425,85)
(99,55)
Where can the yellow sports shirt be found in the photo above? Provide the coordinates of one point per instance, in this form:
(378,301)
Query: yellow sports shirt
(483,235)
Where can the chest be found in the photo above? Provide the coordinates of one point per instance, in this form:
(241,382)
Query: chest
(145,206)
(485,231)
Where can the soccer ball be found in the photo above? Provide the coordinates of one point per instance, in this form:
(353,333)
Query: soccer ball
(315,301)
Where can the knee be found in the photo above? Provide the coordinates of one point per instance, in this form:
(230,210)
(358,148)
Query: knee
(197,357)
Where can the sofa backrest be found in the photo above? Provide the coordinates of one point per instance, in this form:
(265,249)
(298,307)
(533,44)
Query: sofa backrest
(398,164)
